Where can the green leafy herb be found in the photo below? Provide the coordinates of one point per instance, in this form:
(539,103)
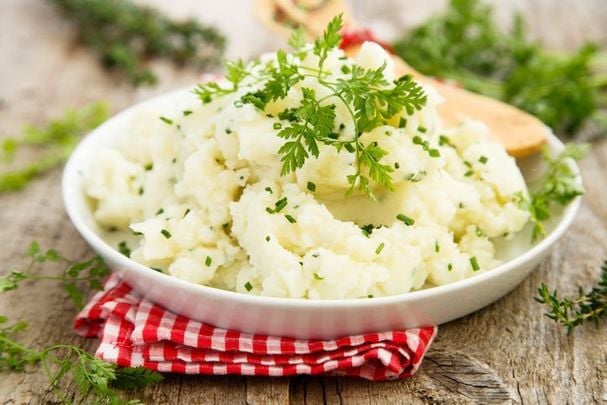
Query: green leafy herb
(92,272)
(370,99)
(126,35)
(559,185)
(208,261)
(54,142)
(166,233)
(589,306)
(123,248)
(248,286)
(380,248)
(92,376)
(311,186)
(290,218)
(464,44)
(279,205)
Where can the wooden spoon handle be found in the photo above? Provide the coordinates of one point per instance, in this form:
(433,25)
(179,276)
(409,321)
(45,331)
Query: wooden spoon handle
(521,133)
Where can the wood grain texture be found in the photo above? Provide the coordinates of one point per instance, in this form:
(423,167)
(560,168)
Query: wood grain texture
(505,353)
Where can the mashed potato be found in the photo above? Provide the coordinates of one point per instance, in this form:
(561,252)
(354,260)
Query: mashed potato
(202,191)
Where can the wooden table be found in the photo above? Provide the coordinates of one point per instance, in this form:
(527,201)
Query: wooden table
(507,352)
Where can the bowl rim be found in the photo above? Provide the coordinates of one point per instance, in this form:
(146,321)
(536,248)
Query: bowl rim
(71,188)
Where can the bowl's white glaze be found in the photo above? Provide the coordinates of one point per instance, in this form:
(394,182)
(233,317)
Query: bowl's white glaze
(298,317)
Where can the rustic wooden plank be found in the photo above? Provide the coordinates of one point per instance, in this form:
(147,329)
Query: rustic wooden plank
(507,352)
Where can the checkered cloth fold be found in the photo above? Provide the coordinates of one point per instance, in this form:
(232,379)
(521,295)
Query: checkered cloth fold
(136,332)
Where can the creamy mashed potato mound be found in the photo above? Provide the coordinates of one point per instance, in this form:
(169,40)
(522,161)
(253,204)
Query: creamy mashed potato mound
(195,183)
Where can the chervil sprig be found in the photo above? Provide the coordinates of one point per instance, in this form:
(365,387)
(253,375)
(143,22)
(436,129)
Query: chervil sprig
(589,306)
(92,376)
(369,98)
(92,272)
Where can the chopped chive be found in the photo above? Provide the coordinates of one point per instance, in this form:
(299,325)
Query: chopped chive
(269,190)
(469,173)
(479,232)
(467,163)
(396,165)
(140,191)
(388,133)
(461,205)
(165,233)
(349,148)
(380,248)
(156,269)
(137,233)
(433,153)
(186,212)
(402,122)
(124,249)
(238,104)
(166,120)
(423,130)
(160,211)
(112,229)
(345,69)
(148,167)
(443,140)
(248,286)
(370,296)
(186,112)
(436,246)
(174,160)
(277,125)
(208,261)
(278,206)
(483,159)
(450,267)
(405,219)
(311,186)
(318,277)
(228,131)
(417,140)
(290,218)
(267,238)
(342,126)
(474,263)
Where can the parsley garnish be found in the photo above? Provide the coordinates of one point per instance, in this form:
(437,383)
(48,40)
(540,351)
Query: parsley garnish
(370,99)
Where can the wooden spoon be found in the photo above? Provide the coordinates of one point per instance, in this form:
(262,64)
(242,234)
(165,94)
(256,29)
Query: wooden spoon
(521,133)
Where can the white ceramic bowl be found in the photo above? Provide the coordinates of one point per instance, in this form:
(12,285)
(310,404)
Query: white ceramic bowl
(299,317)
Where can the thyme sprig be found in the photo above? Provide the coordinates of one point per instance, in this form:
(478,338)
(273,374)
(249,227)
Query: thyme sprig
(371,101)
(589,306)
(126,35)
(559,185)
(55,141)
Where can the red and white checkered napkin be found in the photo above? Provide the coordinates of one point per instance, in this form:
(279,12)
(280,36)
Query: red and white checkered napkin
(136,332)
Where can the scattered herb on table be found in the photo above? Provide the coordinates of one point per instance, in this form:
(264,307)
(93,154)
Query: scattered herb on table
(55,141)
(566,91)
(92,376)
(589,306)
(559,185)
(370,99)
(126,35)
